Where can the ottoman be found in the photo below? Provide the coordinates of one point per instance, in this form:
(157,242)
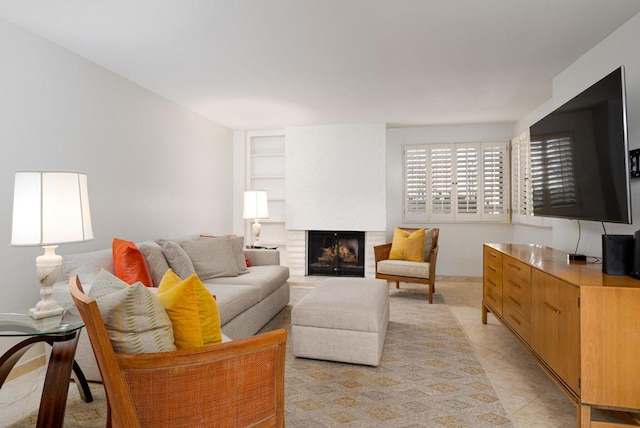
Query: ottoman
(342,319)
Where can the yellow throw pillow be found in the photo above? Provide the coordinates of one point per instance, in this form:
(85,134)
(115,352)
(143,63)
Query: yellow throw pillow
(407,246)
(192,310)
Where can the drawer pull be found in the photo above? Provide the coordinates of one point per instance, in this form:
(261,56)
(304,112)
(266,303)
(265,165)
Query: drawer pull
(553,308)
(494,255)
(515,319)
(514,266)
(492,283)
(492,268)
(515,301)
(515,284)
(491,297)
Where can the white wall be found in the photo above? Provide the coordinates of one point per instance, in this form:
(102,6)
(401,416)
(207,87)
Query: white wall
(335,177)
(620,48)
(460,244)
(154,168)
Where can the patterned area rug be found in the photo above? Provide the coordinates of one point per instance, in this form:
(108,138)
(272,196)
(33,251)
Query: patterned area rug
(429,376)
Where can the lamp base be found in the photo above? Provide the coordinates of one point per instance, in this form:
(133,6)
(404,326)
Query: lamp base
(39,313)
(47,268)
(256,227)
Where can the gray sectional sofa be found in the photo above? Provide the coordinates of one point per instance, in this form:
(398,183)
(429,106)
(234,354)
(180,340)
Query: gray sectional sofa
(246,302)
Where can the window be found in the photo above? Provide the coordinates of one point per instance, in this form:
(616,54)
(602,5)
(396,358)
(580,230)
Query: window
(456,182)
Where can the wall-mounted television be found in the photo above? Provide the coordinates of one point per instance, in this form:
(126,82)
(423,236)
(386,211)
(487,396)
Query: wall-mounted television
(580,156)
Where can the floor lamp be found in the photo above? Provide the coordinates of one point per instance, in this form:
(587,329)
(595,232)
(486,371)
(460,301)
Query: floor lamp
(49,208)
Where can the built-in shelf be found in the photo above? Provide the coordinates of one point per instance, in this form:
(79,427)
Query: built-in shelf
(266,171)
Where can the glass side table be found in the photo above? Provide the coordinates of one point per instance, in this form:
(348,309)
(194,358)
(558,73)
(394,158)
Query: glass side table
(62,333)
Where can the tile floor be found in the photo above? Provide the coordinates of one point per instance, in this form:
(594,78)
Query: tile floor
(526,393)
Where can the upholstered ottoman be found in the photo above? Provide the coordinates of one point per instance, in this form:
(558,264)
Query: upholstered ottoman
(342,319)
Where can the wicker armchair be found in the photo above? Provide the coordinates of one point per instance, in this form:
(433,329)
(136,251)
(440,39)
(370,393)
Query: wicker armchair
(233,384)
(404,271)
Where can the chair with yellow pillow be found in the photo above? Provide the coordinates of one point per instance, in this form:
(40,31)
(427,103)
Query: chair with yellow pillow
(410,257)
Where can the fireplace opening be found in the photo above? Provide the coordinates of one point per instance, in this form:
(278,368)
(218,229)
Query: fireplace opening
(334,253)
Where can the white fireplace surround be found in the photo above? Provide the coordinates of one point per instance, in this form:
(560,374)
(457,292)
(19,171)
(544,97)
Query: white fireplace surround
(335,180)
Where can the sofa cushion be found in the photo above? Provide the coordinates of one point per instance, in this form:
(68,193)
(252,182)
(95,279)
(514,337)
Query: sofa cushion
(156,261)
(177,258)
(407,246)
(192,310)
(129,264)
(211,258)
(232,299)
(135,319)
(86,265)
(404,268)
(266,279)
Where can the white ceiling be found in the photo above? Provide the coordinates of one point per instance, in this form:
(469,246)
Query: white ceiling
(264,64)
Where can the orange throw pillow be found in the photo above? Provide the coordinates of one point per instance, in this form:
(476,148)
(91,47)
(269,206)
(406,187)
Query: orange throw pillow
(129,263)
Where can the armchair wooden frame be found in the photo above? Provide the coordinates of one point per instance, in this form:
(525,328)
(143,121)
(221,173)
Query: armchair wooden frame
(382,253)
(234,384)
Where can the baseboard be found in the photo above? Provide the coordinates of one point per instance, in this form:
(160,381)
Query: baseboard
(458,278)
(312,280)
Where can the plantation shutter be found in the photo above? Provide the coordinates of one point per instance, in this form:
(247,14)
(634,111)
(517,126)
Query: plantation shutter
(441,182)
(495,189)
(467,171)
(416,191)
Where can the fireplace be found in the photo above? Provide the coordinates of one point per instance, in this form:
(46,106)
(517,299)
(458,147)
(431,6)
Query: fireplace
(332,253)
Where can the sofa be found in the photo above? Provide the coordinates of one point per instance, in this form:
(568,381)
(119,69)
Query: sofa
(246,301)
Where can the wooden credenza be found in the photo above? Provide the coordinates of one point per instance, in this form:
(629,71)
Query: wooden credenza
(582,326)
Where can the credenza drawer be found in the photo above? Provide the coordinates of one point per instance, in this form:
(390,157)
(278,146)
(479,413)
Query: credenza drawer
(518,289)
(513,315)
(493,273)
(493,299)
(515,268)
(493,284)
(519,305)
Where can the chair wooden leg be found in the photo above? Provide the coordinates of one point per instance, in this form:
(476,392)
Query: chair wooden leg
(430,295)
(397,284)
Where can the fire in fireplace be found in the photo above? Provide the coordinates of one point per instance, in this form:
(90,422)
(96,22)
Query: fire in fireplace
(335,253)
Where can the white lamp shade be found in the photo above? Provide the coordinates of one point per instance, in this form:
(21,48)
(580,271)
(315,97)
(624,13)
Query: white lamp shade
(255,204)
(50,208)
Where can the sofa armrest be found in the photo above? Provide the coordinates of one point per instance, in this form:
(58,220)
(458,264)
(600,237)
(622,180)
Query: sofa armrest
(259,257)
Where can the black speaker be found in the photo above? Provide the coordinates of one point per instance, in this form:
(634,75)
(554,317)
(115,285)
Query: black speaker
(617,254)
(636,256)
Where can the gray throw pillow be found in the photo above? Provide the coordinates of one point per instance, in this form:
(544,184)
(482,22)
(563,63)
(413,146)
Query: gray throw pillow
(177,258)
(156,261)
(211,257)
(237,245)
(428,243)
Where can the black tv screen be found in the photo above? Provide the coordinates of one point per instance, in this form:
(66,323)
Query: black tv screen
(580,156)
